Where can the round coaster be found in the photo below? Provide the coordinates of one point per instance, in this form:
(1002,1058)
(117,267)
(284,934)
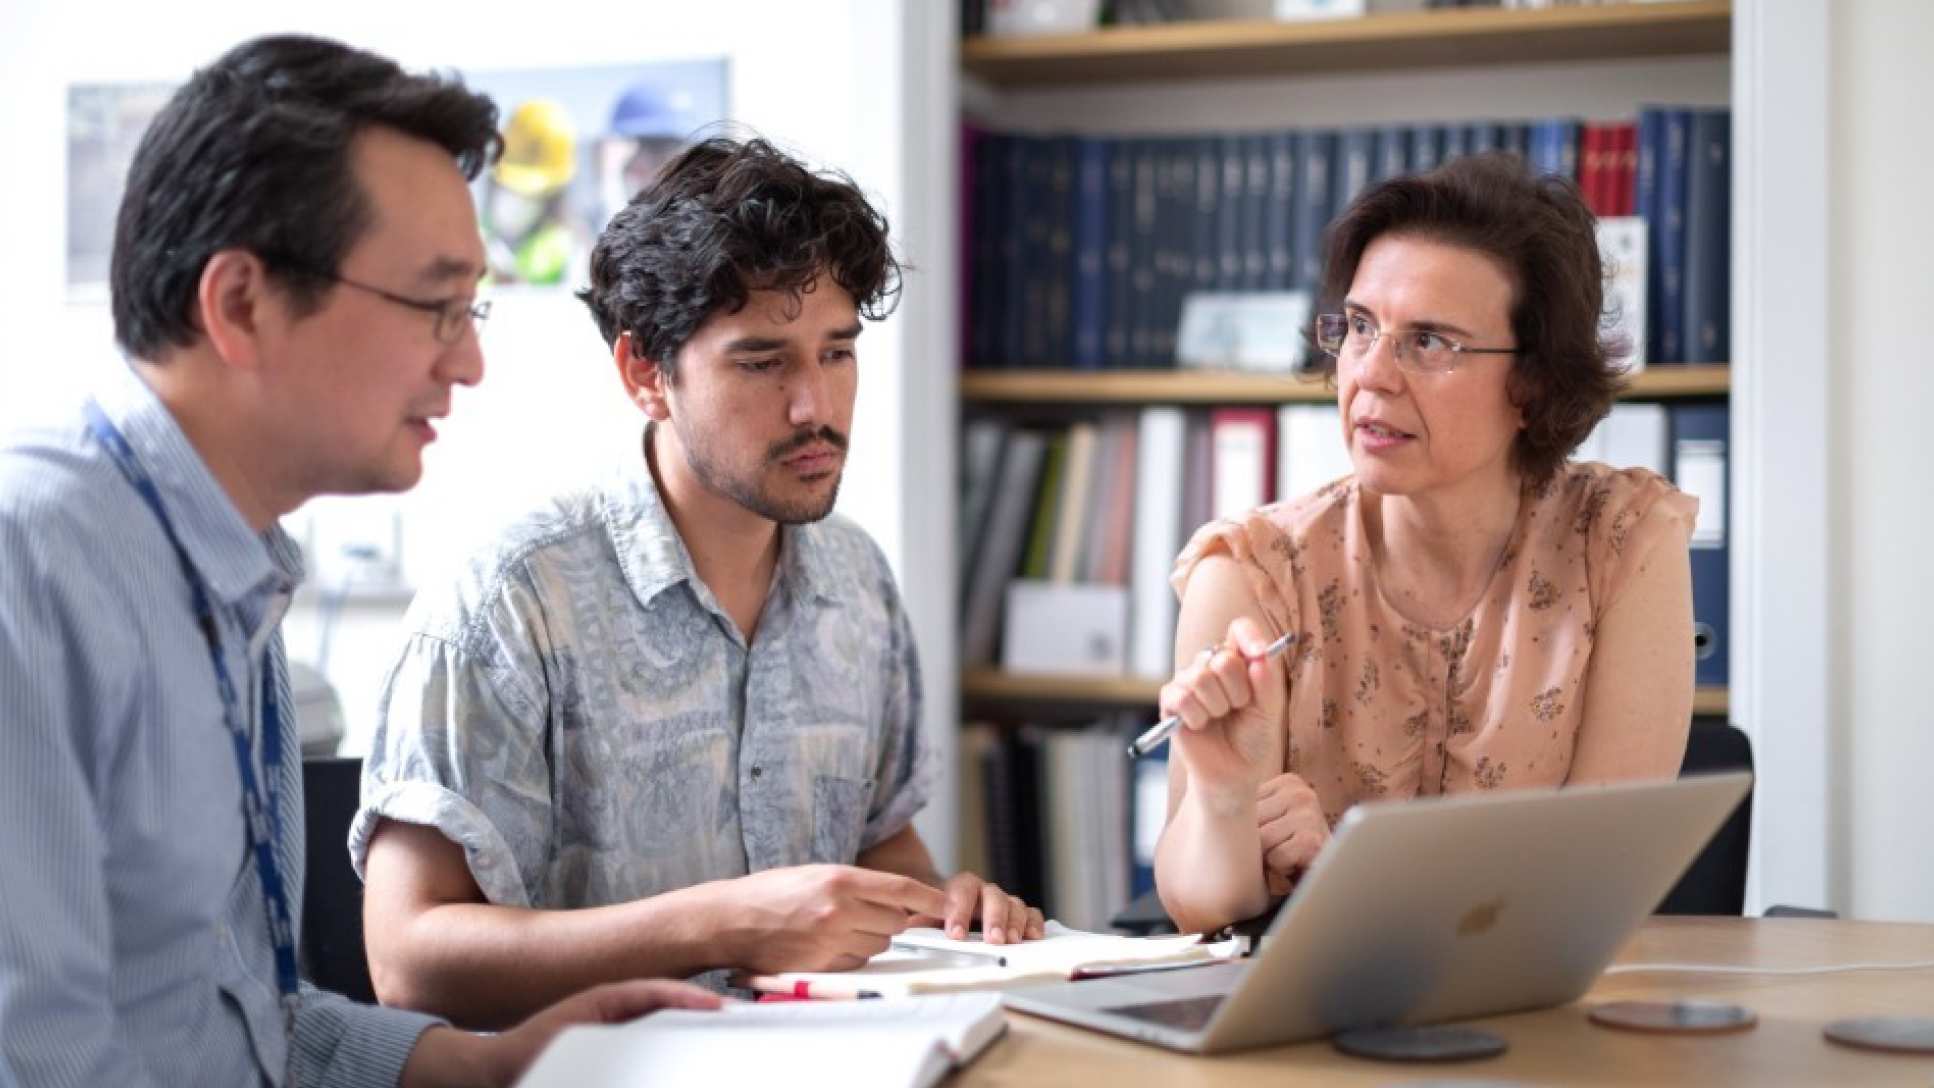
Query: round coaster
(1674,1017)
(1901,1034)
(1433,1043)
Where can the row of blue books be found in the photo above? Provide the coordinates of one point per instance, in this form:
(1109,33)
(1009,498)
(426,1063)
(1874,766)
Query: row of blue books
(1079,250)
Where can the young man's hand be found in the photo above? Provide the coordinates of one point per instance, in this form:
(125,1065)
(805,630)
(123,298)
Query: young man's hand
(1003,918)
(818,917)
(447,1056)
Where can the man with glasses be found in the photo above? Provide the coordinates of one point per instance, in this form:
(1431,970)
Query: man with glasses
(294,271)
(1474,610)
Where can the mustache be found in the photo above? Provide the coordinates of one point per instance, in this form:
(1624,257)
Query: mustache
(800,441)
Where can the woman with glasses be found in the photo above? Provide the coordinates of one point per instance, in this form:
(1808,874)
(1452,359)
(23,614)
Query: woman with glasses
(1471,609)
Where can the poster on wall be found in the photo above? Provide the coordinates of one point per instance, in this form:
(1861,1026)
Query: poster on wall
(578,143)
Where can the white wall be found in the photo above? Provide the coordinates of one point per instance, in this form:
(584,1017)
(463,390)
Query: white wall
(1880,464)
(824,78)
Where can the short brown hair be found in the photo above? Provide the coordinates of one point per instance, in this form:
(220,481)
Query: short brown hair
(1566,373)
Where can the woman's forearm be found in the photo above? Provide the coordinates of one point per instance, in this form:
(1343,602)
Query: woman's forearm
(1208,864)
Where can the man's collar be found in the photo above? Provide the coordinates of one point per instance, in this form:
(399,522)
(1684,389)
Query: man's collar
(808,571)
(650,552)
(654,557)
(231,558)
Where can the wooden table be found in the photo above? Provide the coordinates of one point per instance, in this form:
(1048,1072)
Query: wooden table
(1559,1046)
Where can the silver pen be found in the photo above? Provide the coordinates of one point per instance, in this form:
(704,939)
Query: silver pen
(973,956)
(1154,735)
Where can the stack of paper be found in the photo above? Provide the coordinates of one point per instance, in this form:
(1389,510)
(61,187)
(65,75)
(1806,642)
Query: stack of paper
(929,962)
(913,1042)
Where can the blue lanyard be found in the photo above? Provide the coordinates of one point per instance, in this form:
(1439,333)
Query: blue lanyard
(258,806)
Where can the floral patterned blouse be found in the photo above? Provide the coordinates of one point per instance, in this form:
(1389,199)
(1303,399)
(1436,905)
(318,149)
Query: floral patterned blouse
(1381,707)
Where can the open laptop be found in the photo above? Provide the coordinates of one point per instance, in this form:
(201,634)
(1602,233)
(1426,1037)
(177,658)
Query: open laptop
(1428,910)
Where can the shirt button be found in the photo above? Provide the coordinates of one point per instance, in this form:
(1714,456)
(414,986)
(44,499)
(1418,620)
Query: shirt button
(756,771)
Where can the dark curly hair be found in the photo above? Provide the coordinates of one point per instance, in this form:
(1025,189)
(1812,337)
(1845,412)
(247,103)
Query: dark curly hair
(722,220)
(253,152)
(1566,373)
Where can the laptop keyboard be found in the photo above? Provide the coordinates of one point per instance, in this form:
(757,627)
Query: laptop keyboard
(1187,1014)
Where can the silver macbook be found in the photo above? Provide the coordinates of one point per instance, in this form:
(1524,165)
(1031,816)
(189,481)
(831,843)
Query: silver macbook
(1429,910)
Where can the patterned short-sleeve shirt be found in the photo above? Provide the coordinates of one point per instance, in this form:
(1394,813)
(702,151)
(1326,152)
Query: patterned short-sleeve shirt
(1381,707)
(577,712)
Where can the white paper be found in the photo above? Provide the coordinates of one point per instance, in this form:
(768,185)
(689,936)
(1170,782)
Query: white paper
(905,1043)
(1055,956)
(1702,473)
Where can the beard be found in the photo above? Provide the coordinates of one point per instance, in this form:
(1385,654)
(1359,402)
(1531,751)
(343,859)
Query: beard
(750,489)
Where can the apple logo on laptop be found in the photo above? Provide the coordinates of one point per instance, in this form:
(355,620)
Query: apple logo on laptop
(1480,919)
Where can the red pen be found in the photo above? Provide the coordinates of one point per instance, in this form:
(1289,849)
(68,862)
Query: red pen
(771,986)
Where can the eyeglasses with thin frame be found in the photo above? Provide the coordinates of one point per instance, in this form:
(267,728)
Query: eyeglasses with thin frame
(453,315)
(1351,337)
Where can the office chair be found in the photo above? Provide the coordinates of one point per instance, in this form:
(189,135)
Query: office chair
(1715,884)
(332,898)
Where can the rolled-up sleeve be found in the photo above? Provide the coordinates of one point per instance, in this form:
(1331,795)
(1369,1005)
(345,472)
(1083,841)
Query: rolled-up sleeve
(459,746)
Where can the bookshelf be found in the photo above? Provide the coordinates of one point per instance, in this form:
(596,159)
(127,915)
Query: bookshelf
(1449,37)
(992,687)
(1409,68)
(1225,387)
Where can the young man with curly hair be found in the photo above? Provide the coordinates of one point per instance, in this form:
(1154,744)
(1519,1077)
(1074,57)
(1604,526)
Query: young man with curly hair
(670,724)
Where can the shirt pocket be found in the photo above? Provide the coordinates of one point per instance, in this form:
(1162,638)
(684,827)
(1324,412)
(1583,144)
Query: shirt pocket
(840,806)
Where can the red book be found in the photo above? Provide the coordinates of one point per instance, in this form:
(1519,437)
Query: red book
(1628,168)
(1591,168)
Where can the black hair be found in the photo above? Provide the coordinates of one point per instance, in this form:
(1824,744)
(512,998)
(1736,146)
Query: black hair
(253,153)
(722,220)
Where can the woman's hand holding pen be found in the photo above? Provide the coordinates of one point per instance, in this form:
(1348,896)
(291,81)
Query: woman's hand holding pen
(1230,700)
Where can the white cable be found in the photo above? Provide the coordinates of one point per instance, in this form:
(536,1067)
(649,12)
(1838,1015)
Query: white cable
(1730,969)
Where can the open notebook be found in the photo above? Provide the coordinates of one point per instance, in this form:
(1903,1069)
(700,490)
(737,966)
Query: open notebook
(913,1042)
(929,968)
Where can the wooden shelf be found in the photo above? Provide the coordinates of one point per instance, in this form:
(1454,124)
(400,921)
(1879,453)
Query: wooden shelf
(1221,387)
(1223,49)
(995,686)
(1712,701)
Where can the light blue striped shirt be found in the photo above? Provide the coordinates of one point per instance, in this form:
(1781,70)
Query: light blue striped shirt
(134,945)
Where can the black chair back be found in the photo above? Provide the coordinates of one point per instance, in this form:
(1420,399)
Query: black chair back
(332,898)
(1716,882)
